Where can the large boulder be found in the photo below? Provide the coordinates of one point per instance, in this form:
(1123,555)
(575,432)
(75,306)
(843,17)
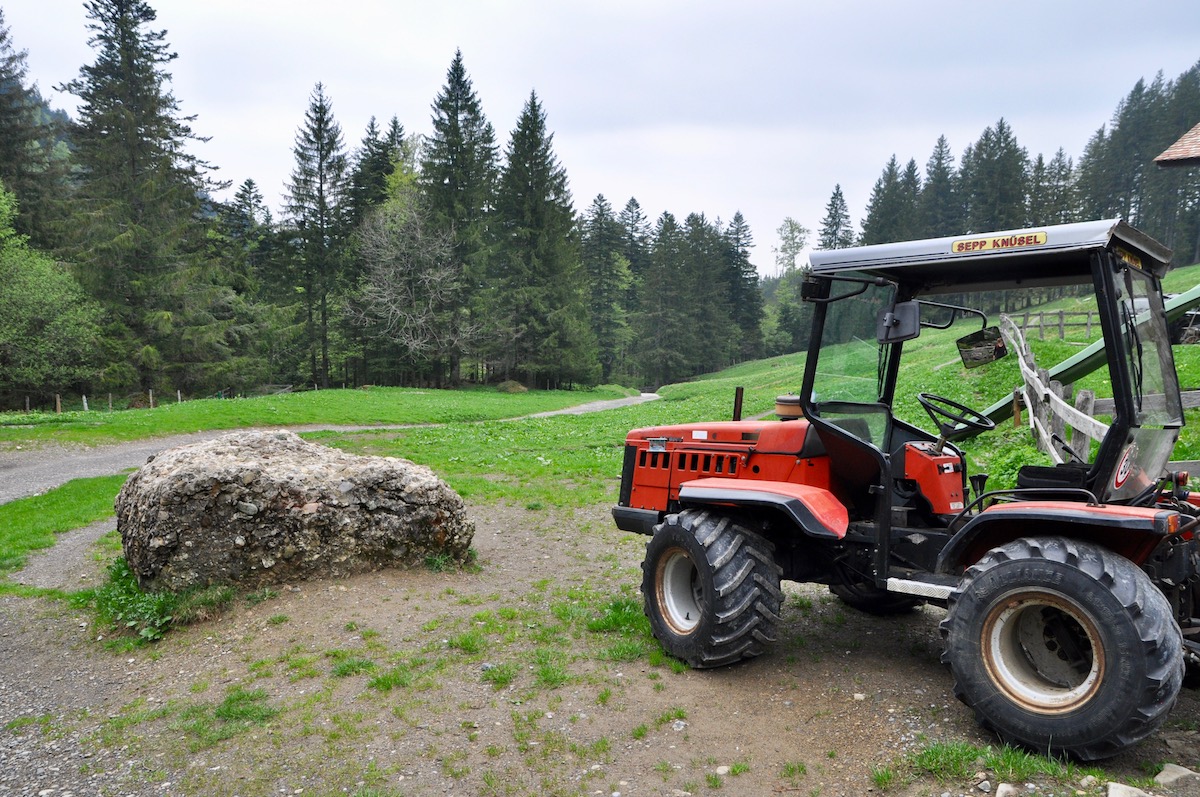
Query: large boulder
(256,508)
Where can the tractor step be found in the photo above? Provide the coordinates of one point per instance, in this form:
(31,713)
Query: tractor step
(934,586)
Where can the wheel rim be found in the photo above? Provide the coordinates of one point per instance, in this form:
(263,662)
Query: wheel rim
(679,591)
(1043,652)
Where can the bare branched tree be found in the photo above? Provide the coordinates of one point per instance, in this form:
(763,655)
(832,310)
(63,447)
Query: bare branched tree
(412,289)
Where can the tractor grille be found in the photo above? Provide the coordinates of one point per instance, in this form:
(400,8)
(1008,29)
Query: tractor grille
(690,462)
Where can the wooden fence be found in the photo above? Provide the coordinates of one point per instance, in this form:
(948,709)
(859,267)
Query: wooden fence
(1057,419)
(1057,322)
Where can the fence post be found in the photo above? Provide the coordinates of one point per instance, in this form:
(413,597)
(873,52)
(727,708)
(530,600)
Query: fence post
(85,407)
(27,404)
(178,397)
(1058,426)
(1042,325)
(150,390)
(1085,402)
(57,404)
(110,402)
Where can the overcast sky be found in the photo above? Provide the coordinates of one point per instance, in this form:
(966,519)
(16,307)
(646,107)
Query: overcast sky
(697,106)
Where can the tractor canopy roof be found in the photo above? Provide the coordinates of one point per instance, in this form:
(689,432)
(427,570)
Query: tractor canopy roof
(1034,257)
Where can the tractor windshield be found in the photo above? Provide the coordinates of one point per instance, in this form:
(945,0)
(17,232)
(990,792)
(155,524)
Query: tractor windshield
(849,386)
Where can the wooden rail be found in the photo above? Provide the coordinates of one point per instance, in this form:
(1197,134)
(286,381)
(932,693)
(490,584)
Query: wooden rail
(1057,421)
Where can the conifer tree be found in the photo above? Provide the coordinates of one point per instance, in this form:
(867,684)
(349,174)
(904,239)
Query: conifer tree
(459,168)
(709,313)
(316,211)
(745,293)
(27,164)
(636,234)
(1051,190)
(539,303)
(940,211)
(993,180)
(836,231)
(661,324)
(139,188)
(377,157)
(891,209)
(601,243)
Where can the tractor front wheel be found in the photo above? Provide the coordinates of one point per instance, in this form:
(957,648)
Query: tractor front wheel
(1063,647)
(711,587)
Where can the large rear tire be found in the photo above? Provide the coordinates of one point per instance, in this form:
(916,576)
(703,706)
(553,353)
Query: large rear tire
(711,587)
(1063,647)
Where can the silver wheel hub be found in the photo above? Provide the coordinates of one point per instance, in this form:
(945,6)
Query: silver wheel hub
(1043,651)
(680,591)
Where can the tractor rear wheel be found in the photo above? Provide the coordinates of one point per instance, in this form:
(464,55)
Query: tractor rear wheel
(711,587)
(1063,647)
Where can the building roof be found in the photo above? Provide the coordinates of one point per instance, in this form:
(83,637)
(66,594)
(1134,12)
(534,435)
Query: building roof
(1184,152)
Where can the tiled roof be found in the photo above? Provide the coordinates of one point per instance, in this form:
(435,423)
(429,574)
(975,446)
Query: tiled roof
(1184,152)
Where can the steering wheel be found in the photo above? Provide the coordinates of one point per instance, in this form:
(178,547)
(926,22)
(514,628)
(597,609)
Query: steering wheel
(947,414)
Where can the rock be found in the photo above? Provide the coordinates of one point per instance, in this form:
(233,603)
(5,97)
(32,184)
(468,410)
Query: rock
(256,508)
(1173,773)
(1121,790)
(1007,790)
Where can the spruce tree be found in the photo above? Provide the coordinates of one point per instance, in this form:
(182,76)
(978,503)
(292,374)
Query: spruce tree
(745,293)
(458,178)
(539,304)
(940,212)
(836,231)
(608,280)
(377,157)
(661,322)
(27,163)
(704,292)
(316,211)
(892,211)
(636,234)
(140,250)
(993,181)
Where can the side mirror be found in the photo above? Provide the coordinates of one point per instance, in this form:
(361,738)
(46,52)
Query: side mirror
(982,347)
(900,322)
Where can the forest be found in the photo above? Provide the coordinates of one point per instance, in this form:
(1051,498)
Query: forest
(446,258)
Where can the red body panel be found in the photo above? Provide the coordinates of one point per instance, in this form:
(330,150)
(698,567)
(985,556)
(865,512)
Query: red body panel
(938,476)
(744,451)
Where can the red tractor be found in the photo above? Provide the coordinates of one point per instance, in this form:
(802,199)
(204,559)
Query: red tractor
(1071,598)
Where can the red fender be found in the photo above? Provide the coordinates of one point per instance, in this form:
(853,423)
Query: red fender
(815,510)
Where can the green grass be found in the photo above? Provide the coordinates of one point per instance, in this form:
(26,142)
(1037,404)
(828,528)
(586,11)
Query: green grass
(205,725)
(376,406)
(958,761)
(146,615)
(29,524)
